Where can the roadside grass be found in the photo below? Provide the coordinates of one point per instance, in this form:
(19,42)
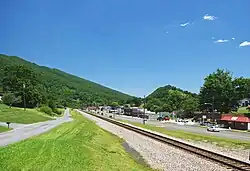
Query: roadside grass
(223,142)
(4,129)
(76,145)
(18,115)
(242,110)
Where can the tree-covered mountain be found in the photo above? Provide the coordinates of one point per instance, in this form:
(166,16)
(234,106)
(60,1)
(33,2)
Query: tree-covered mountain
(170,98)
(63,87)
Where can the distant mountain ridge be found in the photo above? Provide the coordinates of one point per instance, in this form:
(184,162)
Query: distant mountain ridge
(60,83)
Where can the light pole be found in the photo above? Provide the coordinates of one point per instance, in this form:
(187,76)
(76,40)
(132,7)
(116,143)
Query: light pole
(212,104)
(24,101)
(144,110)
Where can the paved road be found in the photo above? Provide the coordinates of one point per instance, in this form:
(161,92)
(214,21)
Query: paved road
(23,132)
(194,129)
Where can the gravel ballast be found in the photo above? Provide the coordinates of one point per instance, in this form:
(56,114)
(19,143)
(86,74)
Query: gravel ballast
(158,155)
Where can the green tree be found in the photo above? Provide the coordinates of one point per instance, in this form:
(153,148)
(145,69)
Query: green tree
(175,100)
(190,105)
(242,88)
(135,101)
(22,81)
(10,98)
(219,90)
(114,104)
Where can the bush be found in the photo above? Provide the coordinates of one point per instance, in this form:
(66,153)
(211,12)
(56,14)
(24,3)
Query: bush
(57,111)
(247,114)
(46,110)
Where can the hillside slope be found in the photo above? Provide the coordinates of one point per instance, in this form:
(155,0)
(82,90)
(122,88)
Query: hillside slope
(170,98)
(162,92)
(64,85)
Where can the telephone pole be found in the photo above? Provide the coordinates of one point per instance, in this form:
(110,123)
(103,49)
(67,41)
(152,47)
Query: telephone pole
(144,115)
(24,100)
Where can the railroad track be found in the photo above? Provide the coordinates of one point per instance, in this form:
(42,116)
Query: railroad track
(229,162)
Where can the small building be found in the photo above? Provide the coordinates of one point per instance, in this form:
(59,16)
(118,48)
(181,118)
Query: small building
(135,112)
(244,102)
(92,108)
(235,122)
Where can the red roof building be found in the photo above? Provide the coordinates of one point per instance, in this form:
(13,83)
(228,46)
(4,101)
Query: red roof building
(235,118)
(235,122)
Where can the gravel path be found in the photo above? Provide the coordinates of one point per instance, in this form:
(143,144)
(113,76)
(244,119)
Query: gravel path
(158,155)
(29,130)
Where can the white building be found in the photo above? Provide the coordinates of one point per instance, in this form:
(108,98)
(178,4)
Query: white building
(244,102)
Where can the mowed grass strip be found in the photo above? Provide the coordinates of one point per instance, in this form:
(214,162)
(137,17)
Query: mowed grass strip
(19,115)
(223,142)
(4,129)
(76,145)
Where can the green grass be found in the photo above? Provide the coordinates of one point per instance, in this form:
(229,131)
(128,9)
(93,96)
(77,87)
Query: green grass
(223,142)
(4,129)
(18,115)
(76,145)
(243,110)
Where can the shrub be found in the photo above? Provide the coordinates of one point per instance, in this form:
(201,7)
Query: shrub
(247,114)
(46,110)
(57,111)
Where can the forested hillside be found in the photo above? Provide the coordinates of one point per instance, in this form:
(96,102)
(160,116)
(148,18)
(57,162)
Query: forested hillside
(62,87)
(170,98)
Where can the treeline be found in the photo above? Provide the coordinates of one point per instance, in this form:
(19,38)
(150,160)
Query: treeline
(170,98)
(220,91)
(44,86)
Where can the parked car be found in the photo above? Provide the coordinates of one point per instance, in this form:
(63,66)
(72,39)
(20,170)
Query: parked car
(166,118)
(159,118)
(213,129)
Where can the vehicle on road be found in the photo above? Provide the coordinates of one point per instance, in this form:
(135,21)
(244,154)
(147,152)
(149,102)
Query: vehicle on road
(166,118)
(213,129)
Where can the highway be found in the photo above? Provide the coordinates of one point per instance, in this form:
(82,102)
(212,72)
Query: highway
(23,132)
(193,129)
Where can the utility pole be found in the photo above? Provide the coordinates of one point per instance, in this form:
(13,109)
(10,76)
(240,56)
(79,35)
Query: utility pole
(213,104)
(144,110)
(24,100)
(213,109)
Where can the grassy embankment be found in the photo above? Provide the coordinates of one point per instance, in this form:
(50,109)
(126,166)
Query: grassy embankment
(242,110)
(18,115)
(76,145)
(4,129)
(224,142)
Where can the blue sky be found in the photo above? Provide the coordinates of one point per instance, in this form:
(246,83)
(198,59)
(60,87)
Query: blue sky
(133,46)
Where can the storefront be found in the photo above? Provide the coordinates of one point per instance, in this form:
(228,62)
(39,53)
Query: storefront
(235,122)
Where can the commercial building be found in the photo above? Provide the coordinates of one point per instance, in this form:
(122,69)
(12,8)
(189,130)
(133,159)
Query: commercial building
(139,112)
(235,122)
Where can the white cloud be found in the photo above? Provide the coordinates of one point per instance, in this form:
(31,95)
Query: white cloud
(184,24)
(209,17)
(221,41)
(245,43)
(233,38)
